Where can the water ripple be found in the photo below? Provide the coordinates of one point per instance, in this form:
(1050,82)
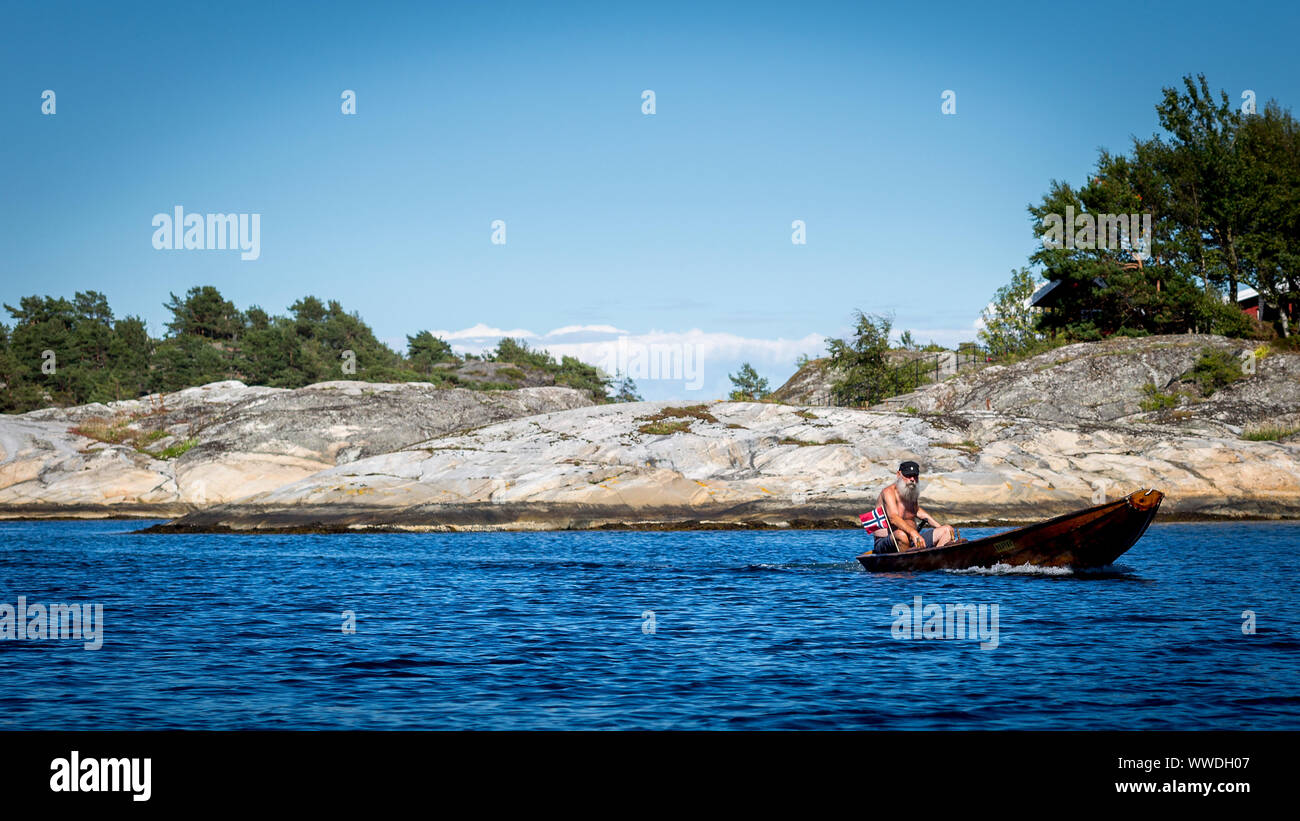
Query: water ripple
(708,630)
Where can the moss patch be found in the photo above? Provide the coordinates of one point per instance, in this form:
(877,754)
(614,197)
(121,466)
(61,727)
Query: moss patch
(175,450)
(120,432)
(803,444)
(674,420)
(105,430)
(664,428)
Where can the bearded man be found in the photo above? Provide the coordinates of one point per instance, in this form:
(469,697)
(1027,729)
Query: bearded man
(913,527)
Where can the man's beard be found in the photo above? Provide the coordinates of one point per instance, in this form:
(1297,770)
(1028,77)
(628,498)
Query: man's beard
(909,492)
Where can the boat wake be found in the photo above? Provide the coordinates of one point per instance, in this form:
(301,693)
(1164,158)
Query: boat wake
(1036,570)
(850,565)
(1014,570)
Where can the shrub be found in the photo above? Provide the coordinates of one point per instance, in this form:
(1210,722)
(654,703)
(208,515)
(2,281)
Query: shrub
(517,352)
(150,437)
(1086,331)
(1268,433)
(1157,399)
(1214,370)
(1229,320)
(176,450)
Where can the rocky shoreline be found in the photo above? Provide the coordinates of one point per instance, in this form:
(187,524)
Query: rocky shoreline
(344,457)
(480,520)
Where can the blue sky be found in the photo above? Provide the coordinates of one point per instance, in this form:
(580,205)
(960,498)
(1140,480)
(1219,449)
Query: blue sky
(673,227)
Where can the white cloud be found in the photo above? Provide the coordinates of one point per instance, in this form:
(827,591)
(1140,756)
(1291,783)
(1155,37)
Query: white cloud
(704,346)
(481,331)
(574,329)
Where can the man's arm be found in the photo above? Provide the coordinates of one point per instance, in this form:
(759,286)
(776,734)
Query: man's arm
(922,513)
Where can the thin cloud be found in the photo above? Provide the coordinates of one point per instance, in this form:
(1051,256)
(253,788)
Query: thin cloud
(574,329)
(605,341)
(481,331)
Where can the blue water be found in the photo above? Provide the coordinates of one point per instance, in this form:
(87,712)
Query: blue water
(772,630)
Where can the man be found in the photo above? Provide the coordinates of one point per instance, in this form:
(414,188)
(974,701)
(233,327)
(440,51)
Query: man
(913,527)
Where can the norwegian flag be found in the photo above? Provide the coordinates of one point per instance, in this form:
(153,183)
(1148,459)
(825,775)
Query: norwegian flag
(875,520)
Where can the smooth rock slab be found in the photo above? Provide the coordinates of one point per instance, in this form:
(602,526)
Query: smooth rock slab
(243,440)
(763,464)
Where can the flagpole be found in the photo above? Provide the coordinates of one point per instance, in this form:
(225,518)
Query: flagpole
(889,526)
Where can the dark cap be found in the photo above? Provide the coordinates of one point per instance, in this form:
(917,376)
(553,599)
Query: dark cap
(909,469)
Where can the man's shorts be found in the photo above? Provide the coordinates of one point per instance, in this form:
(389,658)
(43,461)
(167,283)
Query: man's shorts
(885,545)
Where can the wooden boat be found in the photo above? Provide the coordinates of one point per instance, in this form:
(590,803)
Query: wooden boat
(1088,538)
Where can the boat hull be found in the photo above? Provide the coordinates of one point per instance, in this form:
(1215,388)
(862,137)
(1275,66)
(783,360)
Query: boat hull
(1094,537)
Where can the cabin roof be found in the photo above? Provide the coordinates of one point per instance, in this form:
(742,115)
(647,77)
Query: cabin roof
(1042,292)
(1048,294)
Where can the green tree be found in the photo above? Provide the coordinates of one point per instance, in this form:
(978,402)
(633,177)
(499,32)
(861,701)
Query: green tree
(1269,142)
(1202,149)
(747,385)
(130,351)
(575,373)
(1010,322)
(271,352)
(424,350)
(1230,184)
(1222,189)
(15,394)
(517,352)
(205,313)
(1103,290)
(186,360)
(328,333)
(866,376)
(625,390)
(92,356)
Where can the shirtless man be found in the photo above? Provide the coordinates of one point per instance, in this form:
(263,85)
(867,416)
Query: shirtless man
(913,527)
